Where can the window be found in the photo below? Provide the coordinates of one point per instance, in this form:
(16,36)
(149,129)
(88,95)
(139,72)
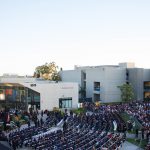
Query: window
(147,85)
(65,103)
(97,86)
(84,76)
(127,75)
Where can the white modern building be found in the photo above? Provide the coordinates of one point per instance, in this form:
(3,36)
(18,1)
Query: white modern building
(101,82)
(38,93)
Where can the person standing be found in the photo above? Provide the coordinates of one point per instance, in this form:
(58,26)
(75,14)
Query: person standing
(136,132)
(64,126)
(14,144)
(28,122)
(41,121)
(142,130)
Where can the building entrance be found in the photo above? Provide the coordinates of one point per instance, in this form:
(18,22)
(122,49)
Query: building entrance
(65,102)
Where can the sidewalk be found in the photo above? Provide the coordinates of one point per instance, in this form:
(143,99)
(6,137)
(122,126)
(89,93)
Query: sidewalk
(129,146)
(4,145)
(130,135)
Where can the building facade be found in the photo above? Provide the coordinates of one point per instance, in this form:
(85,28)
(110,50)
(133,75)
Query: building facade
(101,82)
(19,92)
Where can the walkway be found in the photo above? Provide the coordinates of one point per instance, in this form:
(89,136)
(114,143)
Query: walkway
(4,145)
(128,146)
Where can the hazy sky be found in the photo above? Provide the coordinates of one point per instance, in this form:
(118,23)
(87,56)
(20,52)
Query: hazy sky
(73,32)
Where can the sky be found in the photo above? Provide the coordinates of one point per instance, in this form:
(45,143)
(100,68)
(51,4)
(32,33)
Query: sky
(73,32)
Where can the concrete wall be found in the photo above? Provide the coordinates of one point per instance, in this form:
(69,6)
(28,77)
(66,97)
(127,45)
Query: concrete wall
(127,65)
(136,78)
(109,79)
(113,79)
(95,75)
(71,76)
(16,80)
(146,76)
(50,93)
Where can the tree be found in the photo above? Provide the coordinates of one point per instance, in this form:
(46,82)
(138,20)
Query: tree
(56,77)
(48,71)
(127,93)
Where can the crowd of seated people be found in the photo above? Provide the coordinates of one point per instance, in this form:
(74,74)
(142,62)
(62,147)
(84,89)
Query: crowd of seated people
(89,106)
(141,111)
(85,131)
(3,137)
(18,137)
(114,142)
(72,138)
(138,109)
(148,146)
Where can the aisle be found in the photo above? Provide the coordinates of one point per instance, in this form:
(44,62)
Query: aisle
(4,145)
(129,146)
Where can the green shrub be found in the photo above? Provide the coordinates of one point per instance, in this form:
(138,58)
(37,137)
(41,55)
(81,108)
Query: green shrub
(79,111)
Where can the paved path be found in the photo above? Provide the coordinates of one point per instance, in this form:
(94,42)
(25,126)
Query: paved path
(4,145)
(129,146)
(131,136)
